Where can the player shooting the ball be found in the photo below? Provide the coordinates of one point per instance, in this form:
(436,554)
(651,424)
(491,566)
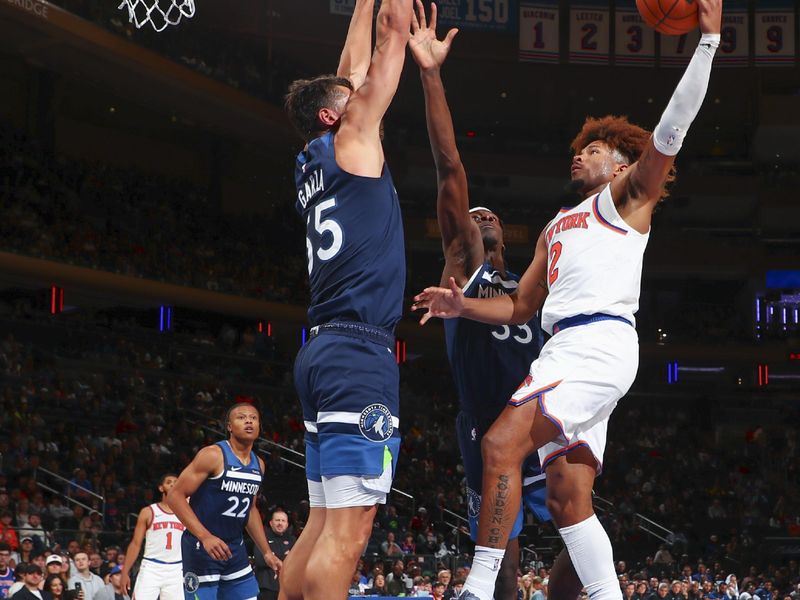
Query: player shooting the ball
(586,273)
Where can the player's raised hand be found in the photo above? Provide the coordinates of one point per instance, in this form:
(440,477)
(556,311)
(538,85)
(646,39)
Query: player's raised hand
(710,14)
(425,48)
(445,303)
(216,548)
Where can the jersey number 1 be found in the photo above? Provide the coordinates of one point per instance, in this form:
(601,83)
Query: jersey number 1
(169,540)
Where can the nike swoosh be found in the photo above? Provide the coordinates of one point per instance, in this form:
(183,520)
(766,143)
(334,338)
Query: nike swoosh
(236,468)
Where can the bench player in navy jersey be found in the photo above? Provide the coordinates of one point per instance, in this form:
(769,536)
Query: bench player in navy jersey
(488,362)
(346,375)
(215,498)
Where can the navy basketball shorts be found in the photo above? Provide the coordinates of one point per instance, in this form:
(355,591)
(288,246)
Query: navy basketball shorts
(207,579)
(470,431)
(348,382)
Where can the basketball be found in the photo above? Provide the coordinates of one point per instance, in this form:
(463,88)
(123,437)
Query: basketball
(670,17)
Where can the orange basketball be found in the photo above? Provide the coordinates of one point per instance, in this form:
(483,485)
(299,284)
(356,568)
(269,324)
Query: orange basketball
(671,17)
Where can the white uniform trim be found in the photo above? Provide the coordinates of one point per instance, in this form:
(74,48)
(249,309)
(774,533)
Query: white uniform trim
(349,418)
(471,278)
(237,574)
(241,475)
(311,426)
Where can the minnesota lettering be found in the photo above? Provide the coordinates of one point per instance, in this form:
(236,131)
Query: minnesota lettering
(240,487)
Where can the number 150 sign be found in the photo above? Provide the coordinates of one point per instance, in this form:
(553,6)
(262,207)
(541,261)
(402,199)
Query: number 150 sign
(487,15)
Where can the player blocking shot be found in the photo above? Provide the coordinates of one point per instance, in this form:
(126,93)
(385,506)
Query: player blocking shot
(215,498)
(161,573)
(346,375)
(487,361)
(586,272)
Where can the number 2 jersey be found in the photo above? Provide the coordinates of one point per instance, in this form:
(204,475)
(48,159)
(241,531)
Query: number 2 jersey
(594,262)
(223,503)
(489,361)
(354,240)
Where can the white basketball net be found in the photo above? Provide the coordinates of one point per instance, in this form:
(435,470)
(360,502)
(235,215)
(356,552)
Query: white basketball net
(159,13)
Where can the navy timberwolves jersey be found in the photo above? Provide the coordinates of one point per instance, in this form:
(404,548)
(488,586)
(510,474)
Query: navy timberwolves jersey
(223,503)
(490,361)
(354,240)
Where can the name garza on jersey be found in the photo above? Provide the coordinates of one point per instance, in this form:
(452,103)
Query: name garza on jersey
(240,487)
(311,187)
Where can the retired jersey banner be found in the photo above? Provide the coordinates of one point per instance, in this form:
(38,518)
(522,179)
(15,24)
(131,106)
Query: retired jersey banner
(734,47)
(635,41)
(774,33)
(589,32)
(538,31)
(677,50)
(485,15)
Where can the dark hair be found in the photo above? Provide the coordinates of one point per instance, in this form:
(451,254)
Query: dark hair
(621,135)
(160,483)
(50,579)
(4,547)
(306,97)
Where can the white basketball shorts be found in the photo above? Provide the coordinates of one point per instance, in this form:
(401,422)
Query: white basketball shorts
(579,377)
(159,580)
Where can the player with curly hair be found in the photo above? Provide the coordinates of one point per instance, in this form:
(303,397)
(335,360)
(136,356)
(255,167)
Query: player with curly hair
(586,276)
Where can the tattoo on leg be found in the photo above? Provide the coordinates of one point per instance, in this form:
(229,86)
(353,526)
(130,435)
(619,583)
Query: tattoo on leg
(499,509)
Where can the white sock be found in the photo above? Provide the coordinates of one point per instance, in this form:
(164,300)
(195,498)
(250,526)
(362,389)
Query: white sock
(483,574)
(590,550)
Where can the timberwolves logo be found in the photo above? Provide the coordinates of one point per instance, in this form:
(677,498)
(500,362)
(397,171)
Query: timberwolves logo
(473,503)
(375,423)
(191,582)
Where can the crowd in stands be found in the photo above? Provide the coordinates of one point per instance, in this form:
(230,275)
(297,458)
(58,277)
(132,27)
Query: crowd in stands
(145,225)
(126,222)
(110,416)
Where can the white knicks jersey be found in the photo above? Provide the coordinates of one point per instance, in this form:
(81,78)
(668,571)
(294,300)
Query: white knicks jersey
(162,541)
(594,262)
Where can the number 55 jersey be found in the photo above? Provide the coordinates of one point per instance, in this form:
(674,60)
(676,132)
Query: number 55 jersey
(346,374)
(354,240)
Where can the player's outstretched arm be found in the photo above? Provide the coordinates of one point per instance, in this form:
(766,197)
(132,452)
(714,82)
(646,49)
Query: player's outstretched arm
(357,51)
(461,239)
(208,462)
(358,143)
(135,546)
(514,309)
(643,183)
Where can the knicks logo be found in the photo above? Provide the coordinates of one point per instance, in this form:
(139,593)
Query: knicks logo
(191,582)
(473,503)
(375,423)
